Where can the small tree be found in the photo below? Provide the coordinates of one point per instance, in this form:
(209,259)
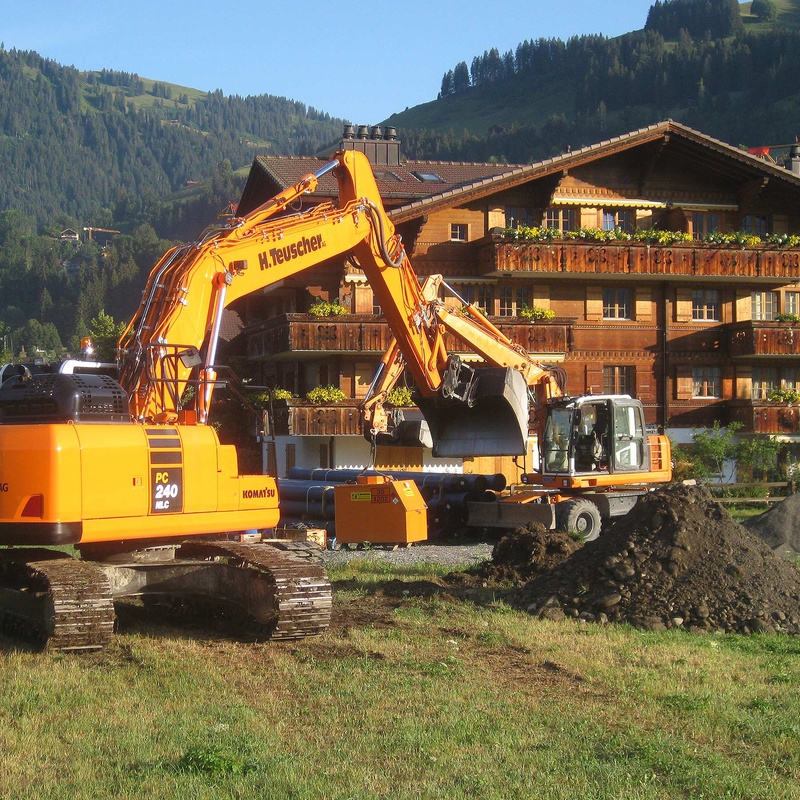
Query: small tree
(760,455)
(764,9)
(105,333)
(712,448)
(5,350)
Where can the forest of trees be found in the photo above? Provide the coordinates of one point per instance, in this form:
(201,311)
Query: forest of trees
(694,61)
(72,144)
(77,149)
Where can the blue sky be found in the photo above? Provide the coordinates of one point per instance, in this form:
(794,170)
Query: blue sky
(361,61)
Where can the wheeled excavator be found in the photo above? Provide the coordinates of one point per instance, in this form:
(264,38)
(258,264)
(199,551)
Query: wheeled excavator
(596,457)
(130,473)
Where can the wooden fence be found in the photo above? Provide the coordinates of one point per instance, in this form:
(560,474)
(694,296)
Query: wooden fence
(788,488)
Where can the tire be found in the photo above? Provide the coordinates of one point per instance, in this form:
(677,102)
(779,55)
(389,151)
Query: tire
(579,516)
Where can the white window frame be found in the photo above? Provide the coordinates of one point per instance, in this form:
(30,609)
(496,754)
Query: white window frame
(707,382)
(459,232)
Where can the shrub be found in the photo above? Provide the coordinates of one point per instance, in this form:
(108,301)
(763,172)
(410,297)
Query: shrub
(399,396)
(322,308)
(535,312)
(263,399)
(326,394)
(651,235)
(784,396)
(655,236)
(783,240)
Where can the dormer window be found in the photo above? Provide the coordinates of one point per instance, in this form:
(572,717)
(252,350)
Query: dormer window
(428,177)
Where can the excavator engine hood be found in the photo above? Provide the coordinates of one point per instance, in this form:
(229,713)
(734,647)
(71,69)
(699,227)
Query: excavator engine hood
(488,418)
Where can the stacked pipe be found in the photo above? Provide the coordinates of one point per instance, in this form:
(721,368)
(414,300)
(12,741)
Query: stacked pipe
(307,494)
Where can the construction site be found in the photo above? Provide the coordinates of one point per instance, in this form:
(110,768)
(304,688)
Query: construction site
(522,428)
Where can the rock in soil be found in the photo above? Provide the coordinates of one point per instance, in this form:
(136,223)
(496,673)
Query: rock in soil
(678,559)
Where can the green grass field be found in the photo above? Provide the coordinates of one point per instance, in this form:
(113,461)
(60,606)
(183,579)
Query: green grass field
(404,697)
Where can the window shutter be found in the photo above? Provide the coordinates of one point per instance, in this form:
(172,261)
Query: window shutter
(643,384)
(644,304)
(594,378)
(541,296)
(744,383)
(683,305)
(683,383)
(743,305)
(594,302)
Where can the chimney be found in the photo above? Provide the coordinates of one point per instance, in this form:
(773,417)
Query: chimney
(793,163)
(380,146)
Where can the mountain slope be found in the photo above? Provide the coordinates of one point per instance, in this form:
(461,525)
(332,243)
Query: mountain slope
(73,144)
(551,94)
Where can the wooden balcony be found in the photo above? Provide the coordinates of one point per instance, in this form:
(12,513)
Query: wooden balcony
(634,258)
(303,418)
(761,338)
(292,335)
(760,416)
(303,333)
(553,336)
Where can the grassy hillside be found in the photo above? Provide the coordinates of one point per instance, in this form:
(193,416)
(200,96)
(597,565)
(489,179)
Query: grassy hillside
(788,16)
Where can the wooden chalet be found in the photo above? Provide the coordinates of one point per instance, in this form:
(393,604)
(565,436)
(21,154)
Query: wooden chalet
(699,331)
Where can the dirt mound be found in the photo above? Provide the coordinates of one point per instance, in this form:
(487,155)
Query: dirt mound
(677,560)
(519,556)
(779,527)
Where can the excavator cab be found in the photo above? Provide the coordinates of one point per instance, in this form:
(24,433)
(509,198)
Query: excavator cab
(594,434)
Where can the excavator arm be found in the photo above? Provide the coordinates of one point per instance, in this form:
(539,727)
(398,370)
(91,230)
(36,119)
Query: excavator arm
(173,335)
(188,289)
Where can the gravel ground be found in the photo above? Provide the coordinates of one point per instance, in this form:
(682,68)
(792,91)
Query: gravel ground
(453,556)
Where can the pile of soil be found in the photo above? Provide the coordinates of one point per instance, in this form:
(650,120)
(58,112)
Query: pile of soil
(779,527)
(519,556)
(677,560)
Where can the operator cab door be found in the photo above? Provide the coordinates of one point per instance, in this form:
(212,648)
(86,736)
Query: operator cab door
(630,450)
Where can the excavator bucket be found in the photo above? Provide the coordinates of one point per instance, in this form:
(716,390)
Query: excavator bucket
(491,420)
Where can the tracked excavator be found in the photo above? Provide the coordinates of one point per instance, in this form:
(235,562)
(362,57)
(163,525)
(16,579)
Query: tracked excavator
(131,474)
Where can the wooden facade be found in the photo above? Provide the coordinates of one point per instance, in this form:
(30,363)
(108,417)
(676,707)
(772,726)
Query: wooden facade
(693,329)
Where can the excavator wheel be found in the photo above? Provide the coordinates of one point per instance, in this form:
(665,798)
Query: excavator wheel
(580,516)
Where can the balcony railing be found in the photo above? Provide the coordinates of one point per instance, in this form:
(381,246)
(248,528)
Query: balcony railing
(636,258)
(302,418)
(302,333)
(763,338)
(759,416)
(296,333)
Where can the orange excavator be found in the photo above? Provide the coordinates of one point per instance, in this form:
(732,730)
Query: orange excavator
(131,474)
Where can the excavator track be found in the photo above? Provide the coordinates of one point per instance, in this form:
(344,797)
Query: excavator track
(54,601)
(301,589)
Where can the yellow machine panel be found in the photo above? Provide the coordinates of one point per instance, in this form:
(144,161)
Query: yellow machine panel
(76,483)
(383,512)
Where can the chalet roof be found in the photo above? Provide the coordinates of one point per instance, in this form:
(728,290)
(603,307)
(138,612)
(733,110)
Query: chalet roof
(722,157)
(398,184)
(407,195)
